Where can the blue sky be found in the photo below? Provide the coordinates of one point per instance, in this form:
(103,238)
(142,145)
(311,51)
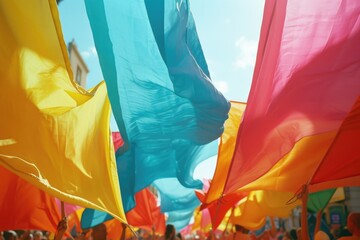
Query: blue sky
(228,31)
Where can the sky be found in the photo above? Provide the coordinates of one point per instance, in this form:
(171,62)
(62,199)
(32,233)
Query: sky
(228,31)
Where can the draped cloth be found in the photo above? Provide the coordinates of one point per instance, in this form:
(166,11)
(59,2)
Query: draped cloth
(23,206)
(177,201)
(146,214)
(161,94)
(54,134)
(296,127)
(306,81)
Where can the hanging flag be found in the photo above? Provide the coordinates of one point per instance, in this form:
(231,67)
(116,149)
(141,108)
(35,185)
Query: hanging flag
(329,153)
(146,214)
(226,150)
(293,96)
(143,214)
(177,201)
(54,134)
(317,201)
(164,103)
(159,221)
(180,219)
(23,206)
(117,140)
(341,164)
(202,220)
(305,82)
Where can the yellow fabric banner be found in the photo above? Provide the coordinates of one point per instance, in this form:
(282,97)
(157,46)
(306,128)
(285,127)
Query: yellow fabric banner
(251,212)
(53,133)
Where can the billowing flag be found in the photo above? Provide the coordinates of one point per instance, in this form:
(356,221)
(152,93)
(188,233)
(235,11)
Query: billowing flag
(53,134)
(24,206)
(177,201)
(341,164)
(317,201)
(216,208)
(226,151)
(305,82)
(202,220)
(146,214)
(164,103)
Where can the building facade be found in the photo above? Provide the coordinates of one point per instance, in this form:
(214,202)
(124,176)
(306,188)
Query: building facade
(78,65)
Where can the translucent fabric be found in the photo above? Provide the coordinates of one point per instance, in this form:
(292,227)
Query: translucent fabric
(300,119)
(54,134)
(164,103)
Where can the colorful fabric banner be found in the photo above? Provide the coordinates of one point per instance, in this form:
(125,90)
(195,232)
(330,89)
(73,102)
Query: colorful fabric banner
(305,83)
(117,140)
(180,219)
(202,220)
(177,201)
(317,201)
(54,134)
(341,165)
(226,149)
(146,214)
(163,100)
(23,206)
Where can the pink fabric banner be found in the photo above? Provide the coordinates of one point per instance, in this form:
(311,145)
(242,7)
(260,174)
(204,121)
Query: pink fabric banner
(305,82)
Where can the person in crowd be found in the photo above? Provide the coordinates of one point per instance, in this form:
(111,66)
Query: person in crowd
(321,235)
(241,233)
(353,225)
(62,227)
(293,234)
(10,235)
(179,236)
(38,235)
(99,232)
(27,235)
(298,233)
(170,232)
(286,236)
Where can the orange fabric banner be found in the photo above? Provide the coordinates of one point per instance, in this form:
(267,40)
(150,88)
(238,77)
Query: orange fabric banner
(24,206)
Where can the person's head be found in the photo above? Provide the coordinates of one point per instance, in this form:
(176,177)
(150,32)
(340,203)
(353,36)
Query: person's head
(179,236)
(353,223)
(99,232)
(170,232)
(10,235)
(239,228)
(293,235)
(38,235)
(320,235)
(286,236)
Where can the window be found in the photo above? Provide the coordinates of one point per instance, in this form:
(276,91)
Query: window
(78,75)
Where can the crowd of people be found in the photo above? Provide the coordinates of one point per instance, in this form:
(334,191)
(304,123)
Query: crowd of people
(99,232)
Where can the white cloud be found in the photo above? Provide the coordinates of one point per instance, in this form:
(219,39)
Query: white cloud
(85,54)
(91,51)
(246,52)
(222,86)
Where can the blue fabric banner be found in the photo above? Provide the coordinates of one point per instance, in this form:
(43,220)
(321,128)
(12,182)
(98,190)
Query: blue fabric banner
(159,86)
